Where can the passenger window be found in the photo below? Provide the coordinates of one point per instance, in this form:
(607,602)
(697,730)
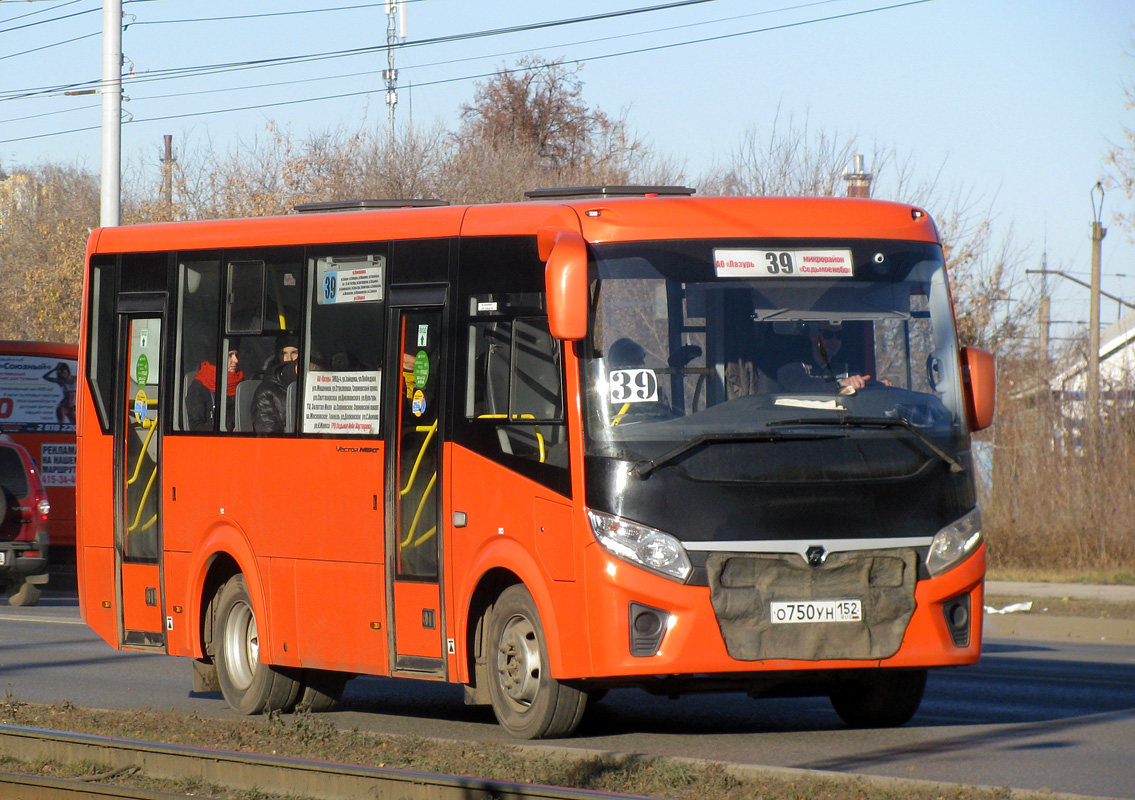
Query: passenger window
(343,367)
(199,298)
(516,379)
(263,293)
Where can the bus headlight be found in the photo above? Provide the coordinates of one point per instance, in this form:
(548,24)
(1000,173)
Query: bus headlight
(954,543)
(641,545)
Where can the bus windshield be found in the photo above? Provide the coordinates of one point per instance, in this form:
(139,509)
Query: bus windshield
(696,344)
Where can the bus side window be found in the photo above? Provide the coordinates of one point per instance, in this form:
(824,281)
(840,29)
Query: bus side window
(263,291)
(515,377)
(199,298)
(342,356)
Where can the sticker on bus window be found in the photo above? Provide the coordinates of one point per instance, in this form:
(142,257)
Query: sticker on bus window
(141,406)
(418,405)
(351,285)
(782,263)
(421,368)
(633,386)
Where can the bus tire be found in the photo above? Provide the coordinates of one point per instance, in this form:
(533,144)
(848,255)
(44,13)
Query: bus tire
(22,592)
(249,685)
(322,690)
(879,699)
(527,701)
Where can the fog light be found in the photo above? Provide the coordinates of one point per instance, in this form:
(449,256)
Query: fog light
(647,626)
(957,615)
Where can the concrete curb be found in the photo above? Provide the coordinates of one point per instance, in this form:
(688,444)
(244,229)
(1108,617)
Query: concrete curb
(1060,629)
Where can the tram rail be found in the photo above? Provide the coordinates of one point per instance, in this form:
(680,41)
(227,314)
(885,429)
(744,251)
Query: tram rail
(314,780)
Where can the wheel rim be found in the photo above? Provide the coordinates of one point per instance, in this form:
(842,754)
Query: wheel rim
(518,663)
(242,645)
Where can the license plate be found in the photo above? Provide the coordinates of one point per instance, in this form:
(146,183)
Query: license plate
(3,557)
(817,611)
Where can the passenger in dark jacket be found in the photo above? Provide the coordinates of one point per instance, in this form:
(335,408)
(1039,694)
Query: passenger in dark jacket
(269,403)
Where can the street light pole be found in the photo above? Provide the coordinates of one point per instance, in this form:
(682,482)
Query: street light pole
(111,176)
(1098,232)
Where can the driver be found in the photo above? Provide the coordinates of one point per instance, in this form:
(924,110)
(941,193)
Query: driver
(822,373)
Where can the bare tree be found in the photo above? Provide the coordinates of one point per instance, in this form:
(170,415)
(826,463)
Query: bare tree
(1120,159)
(530,127)
(46,215)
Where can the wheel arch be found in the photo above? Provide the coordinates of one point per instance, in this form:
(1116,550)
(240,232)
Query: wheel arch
(225,552)
(503,566)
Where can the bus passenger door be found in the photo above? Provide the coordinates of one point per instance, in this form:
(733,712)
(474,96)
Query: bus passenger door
(138,485)
(413,476)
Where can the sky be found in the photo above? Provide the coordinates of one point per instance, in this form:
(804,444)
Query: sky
(1016,102)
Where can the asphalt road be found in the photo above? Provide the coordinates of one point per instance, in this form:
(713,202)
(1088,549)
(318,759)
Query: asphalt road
(1031,715)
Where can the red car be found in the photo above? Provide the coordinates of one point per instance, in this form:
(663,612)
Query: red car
(23,525)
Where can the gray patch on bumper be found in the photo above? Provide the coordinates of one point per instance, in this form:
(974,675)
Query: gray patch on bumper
(743,586)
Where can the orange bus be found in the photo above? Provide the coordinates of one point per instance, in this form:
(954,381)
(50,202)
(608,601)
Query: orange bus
(607,437)
(37,409)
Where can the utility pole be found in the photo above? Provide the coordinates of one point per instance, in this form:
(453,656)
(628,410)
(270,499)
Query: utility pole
(1098,232)
(111,175)
(395,29)
(167,176)
(1044,312)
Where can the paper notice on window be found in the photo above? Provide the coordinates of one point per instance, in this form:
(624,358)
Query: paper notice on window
(342,403)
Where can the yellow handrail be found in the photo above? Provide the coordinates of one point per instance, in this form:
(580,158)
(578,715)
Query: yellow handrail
(142,501)
(535,428)
(418,514)
(145,446)
(430,430)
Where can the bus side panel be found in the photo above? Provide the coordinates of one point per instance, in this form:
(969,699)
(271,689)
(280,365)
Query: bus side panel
(293,498)
(502,509)
(339,608)
(311,512)
(183,638)
(96,592)
(141,597)
(95,529)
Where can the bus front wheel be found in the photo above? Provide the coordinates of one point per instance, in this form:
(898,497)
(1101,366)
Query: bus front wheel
(527,701)
(249,685)
(880,698)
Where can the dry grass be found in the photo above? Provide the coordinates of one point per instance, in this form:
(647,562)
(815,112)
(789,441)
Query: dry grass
(1061,504)
(312,737)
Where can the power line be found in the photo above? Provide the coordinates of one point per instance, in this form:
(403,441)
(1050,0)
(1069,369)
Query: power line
(206,69)
(53,44)
(446,62)
(45,21)
(443,81)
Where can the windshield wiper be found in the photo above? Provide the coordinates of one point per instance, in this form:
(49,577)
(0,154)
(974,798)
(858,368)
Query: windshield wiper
(875,422)
(643,468)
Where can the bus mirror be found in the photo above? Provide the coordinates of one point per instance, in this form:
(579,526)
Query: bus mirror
(565,279)
(978,379)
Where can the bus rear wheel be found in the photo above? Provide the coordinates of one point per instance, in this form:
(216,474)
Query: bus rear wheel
(879,699)
(322,690)
(527,701)
(249,685)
